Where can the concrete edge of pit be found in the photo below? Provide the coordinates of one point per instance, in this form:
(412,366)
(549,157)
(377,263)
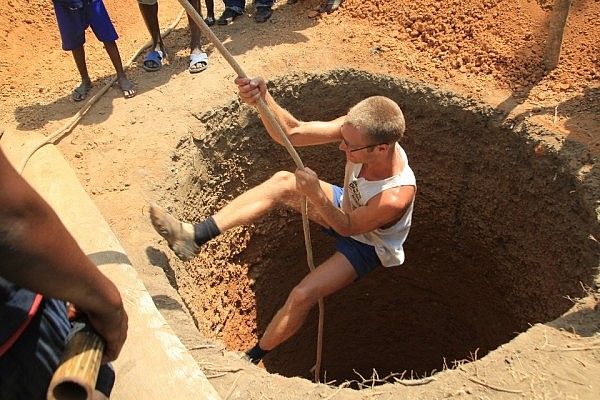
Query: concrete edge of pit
(153,364)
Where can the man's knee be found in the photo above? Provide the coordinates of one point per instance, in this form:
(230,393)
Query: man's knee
(301,298)
(283,178)
(283,184)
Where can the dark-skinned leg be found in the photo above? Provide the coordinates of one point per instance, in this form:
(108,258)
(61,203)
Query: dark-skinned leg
(198,59)
(82,90)
(210,10)
(194,30)
(150,16)
(124,83)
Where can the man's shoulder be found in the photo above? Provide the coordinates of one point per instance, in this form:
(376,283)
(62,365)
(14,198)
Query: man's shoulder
(396,193)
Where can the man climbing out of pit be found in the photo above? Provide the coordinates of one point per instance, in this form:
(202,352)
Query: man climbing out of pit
(369,217)
(39,257)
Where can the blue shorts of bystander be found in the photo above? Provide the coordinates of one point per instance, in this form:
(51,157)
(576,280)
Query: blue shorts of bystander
(75,16)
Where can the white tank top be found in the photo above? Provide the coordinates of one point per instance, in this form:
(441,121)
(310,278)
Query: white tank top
(387,242)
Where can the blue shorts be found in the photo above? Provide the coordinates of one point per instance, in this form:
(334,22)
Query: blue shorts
(362,256)
(27,367)
(74,17)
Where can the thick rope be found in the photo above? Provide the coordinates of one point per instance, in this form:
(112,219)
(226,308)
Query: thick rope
(70,125)
(286,142)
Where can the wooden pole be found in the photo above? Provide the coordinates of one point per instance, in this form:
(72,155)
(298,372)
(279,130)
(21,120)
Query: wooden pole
(240,72)
(75,377)
(266,111)
(558,20)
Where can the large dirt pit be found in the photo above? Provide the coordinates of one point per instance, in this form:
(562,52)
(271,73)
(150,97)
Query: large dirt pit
(500,237)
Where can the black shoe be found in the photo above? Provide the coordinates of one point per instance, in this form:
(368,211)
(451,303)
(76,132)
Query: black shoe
(262,14)
(329,6)
(228,16)
(210,21)
(248,358)
(255,354)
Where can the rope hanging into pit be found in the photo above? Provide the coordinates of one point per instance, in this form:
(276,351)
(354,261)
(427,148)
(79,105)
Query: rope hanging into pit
(286,142)
(72,123)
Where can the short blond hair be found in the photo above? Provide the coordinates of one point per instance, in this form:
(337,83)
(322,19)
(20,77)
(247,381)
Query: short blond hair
(380,117)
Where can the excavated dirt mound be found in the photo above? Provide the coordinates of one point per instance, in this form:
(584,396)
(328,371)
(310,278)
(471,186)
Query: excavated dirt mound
(500,238)
(502,38)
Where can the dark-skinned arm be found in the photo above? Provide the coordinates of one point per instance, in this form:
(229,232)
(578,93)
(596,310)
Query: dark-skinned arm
(39,254)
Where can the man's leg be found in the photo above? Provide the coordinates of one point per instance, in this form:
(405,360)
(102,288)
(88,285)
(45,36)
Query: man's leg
(103,28)
(198,58)
(194,30)
(263,10)
(82,90)
(150,16)
(154,58)
(334,274)
(278,190)
(124,83)
(185,239)
(72,25)
(210,12)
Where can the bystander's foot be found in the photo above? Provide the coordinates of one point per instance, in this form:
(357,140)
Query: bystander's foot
(126,87)
(262,14)
(210,21)
(228,16)
(81,91)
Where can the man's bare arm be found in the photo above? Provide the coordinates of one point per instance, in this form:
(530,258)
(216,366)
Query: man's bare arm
(382,210)
(300,133)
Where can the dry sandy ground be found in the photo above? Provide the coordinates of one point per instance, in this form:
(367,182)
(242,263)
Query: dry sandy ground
(123,150)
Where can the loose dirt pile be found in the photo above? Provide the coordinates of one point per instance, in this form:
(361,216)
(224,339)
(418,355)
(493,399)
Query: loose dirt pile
(504,39)
(500,39)
(473,44)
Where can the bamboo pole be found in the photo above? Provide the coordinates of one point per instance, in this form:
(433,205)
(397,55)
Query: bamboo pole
(266,111)
(558,20)
(75,377)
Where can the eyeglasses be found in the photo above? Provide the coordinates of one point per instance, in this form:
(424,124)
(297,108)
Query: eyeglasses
(360,148)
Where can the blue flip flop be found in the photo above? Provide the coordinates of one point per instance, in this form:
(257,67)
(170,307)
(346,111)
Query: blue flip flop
(153,61)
